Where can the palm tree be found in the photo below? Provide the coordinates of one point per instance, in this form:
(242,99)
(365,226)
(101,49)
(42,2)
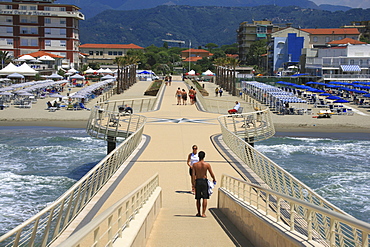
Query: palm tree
(119,61)
(5,58)
(233,63)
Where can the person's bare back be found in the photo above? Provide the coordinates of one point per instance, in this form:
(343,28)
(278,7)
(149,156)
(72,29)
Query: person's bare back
(201,169)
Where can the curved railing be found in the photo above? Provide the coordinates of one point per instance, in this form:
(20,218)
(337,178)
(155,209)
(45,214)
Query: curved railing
(273,175)
(109,225)
(314,223)
(43,228)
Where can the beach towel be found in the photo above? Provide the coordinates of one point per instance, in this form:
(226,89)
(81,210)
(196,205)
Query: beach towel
(210,187)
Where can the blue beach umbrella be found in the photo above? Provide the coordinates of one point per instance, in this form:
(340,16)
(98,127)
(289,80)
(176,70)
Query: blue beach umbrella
(325,94)
(341,101)
(366,95)
(334,97)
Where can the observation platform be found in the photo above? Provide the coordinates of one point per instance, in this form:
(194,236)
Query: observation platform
(170,133)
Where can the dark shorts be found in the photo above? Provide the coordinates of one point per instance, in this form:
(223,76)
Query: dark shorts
(190,171)
(201,188)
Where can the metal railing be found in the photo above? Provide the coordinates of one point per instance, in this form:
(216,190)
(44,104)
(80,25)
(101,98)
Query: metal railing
(273,175)
(314,223)
(43,228)
(109,225)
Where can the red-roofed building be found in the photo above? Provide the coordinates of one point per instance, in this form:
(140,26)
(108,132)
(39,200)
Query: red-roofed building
(319,37)
(30,26)
(106,53)
(345,41)
(193,55)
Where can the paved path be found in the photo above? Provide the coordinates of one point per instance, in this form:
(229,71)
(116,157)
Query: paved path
(172,131)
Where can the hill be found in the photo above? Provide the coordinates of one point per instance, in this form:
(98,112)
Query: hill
(91,8)
(201,25)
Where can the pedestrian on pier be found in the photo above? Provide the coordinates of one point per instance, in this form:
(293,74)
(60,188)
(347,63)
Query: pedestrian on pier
(200,183)
(184,96)
(178,95)
(192,158)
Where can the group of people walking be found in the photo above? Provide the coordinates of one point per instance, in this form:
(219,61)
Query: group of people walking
(200,185)
(182,96)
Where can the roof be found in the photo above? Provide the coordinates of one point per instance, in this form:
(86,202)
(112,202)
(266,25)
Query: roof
(330,31)
(43,53)
(191,50)
(346,41)
(232,55)
(192,59)
(112,46)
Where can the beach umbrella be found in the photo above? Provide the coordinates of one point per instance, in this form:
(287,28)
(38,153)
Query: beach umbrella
(25,94)
(107,77)
(6,93)
(334,97)
(77,76)
(325,94)
(341,101)
(56,96)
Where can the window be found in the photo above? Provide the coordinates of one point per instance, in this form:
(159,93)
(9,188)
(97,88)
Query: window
(9,30)
(360,62)
(33,8)
(47,8)
(91,53)
(101,53)
(315,39)
(24,19)
(115,53)
(327,39)
(24,30)
(47,31)
(63,43)
(9,7)
(63,32)
(9,41)
(120,53)
(24,42)
(110,53)
(47,20)
(97,53)
(47,42)
(9,19)
(23,7)
(63,21)
(34,42)
(340,37)
(62,9)
(34,30)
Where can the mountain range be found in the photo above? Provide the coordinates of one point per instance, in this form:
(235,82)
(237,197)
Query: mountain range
(202,25)
(91,8)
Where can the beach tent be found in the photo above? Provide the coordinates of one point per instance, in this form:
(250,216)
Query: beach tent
(26,70)
(89,71)
(191,72)
(101,70)
(26,57)
(108,71)
(208,72)
(107,77)
(9,69)
(72,71)
(54,76)
(78,77)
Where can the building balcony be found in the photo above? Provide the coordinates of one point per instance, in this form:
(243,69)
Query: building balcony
(71,14)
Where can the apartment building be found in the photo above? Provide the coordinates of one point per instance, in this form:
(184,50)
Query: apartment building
(319,37)
(28,26)
(251,32)
(106,53)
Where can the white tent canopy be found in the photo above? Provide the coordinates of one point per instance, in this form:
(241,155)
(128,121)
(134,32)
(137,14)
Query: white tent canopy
(9,69)
(78,77)
(89,71)
(46,58)
(191,72)
(107,77)
(108,70)
(208,72)
(25,69)
(26,57)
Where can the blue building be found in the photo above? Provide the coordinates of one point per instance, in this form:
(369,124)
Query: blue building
(287,52)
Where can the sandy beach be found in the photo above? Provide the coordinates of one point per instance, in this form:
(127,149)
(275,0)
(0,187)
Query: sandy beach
(38,115)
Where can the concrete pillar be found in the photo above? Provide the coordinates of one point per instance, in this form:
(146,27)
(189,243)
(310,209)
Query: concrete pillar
(111,144)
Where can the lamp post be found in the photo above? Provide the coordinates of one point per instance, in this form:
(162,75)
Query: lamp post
(189,54)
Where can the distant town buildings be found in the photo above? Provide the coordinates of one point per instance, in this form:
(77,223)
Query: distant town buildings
(106,53)
(193,55)
(28,26)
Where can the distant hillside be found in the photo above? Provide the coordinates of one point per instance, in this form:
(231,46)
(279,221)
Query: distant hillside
(201,25)
(91,8)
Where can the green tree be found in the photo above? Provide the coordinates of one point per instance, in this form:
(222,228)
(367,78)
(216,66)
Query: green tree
(255,51)
(211,46)
(5,58)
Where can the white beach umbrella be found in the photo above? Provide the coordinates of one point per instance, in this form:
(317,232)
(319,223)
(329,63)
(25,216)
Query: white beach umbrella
(6,93)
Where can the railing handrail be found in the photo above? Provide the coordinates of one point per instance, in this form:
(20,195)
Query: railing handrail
(79,194)
(121,218)
(318,217)
(272,174)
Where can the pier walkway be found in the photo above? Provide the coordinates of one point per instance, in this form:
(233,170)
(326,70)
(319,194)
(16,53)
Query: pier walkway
(170,133)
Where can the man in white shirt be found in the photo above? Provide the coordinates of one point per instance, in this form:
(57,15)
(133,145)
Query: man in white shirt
(235,109)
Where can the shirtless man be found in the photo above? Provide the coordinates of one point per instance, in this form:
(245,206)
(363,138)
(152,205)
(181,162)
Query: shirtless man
(178,95)
(200,182)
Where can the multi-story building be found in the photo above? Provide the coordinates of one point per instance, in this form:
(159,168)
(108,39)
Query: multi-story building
(345,62)
(319,37)
(249,33)
(286,48)
(362,26)
(193,55)
(28,26)
(106,53)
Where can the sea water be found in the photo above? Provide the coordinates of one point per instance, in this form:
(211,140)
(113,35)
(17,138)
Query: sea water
(37,165)
(337,168)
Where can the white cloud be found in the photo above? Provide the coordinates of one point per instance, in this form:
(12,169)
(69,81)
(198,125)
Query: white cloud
(350,3)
